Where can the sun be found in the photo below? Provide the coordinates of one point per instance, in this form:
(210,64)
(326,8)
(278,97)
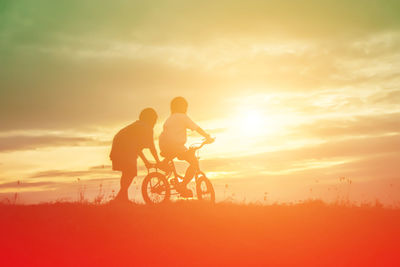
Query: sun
(251,122)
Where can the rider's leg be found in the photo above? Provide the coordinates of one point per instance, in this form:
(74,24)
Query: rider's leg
(190,172)
(190,157)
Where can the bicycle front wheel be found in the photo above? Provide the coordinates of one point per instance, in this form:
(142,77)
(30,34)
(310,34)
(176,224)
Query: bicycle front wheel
(204,189)
(155,188)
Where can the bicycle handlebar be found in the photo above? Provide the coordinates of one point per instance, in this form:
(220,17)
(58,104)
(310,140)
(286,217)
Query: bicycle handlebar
(205,142)
(193,147)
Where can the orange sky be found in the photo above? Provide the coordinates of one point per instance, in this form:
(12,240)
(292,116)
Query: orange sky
(297,100)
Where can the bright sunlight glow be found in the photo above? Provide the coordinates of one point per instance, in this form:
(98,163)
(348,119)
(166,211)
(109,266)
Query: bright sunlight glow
(251,123)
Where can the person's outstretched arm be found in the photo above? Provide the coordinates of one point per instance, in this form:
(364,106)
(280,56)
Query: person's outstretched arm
(194,127)
(153,151)
(150,145)
(203,133)
(145,161)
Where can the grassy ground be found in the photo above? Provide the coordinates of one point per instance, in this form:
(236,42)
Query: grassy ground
(191,233)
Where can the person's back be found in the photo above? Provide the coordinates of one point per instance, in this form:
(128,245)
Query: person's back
(173,137)
(130,139)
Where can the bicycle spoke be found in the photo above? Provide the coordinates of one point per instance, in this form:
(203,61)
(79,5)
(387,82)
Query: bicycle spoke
(156,190)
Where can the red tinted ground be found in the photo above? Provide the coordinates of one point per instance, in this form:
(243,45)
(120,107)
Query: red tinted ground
(187,234)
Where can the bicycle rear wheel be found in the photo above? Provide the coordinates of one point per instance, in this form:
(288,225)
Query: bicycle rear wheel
(204,189)
(155,188)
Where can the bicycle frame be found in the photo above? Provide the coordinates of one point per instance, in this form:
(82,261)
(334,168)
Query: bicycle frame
(169,180)
(173,176)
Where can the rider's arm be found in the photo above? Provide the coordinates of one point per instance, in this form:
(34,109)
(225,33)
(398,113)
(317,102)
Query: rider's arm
(203,133)
(146,162)
(194,127)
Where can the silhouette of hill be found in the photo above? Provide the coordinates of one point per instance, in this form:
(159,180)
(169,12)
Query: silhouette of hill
(196,234)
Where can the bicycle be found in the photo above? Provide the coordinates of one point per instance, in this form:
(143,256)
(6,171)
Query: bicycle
(157,188)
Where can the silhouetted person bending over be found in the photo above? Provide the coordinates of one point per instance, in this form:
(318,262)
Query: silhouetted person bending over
(128,144)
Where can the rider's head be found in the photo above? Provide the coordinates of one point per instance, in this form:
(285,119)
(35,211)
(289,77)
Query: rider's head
(179,105)
(149,116)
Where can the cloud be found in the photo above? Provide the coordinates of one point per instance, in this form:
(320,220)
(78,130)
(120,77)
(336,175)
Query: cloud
(329,70)
(192,21)
(12,143)
(18,185)
(79,64)
(391,97)
(351,147)
(59,173)
(95,170)
(372,167)
(100,167)
(365,125)
(32,96)
(329,153)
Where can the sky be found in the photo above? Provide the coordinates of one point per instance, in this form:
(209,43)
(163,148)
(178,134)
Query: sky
(303,97)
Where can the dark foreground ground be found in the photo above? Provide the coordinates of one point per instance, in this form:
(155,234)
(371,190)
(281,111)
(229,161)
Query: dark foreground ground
(194,234)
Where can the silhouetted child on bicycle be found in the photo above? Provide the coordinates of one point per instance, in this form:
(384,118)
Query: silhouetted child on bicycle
(173,138)
(128,144)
